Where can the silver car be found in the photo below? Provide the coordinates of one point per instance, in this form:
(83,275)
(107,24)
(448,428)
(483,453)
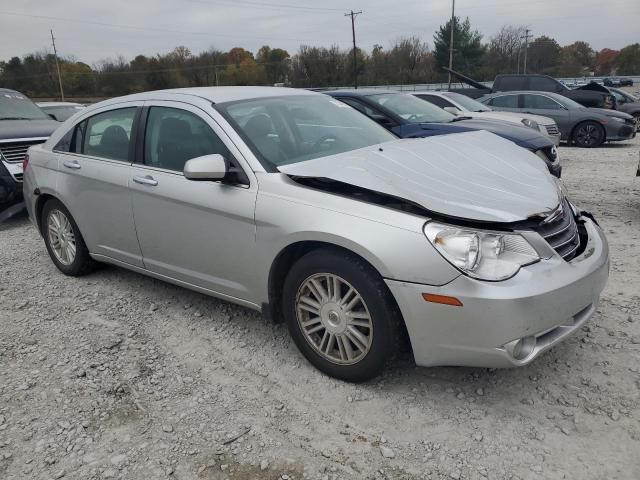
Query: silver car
(297,205)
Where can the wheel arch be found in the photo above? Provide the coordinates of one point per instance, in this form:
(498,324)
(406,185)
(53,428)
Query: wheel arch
(585,120)
(291,253)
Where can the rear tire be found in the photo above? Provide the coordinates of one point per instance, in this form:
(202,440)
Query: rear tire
(341,315)
(588,134)
(64,241)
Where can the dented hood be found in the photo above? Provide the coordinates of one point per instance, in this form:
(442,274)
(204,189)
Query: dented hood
(474,175)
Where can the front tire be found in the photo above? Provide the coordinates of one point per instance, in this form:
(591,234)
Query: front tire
(588,134)
(341,314)
(64,241)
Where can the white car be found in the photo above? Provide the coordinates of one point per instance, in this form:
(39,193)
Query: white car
(459,104)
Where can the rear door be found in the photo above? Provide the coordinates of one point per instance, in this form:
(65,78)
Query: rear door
(198,232)
(95,166)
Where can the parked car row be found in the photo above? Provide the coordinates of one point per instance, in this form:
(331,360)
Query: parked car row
(585,127)
(295,204)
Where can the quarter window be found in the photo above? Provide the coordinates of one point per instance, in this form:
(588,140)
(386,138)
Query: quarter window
(505,101)
(174,136)
(107,135)
(540,102)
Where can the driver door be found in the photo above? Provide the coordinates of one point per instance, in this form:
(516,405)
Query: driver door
(198,232)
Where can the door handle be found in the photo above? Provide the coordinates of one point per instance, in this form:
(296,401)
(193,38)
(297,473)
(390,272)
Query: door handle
(146,180)
(72,164)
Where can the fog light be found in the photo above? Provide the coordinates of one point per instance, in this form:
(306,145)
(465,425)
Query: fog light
(522,348)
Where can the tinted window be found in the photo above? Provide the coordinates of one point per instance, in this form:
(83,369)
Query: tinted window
(174,136)
(510,83)
(108,134)
(505,101)
(540,102)
(543,84)
(437,101)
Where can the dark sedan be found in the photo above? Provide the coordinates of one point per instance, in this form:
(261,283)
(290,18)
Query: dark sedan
(585,127)
(410,117)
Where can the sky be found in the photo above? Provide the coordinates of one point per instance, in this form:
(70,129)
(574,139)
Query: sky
(90,31)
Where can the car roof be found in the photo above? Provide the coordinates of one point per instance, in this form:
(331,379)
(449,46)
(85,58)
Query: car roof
(519,92)
(213,94)
(8,90)
(360,92)
(58,104)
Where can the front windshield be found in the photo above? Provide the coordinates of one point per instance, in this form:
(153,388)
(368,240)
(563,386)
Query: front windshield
(292,129)
(467,103)
(412,109)
(15,106)
(63,112)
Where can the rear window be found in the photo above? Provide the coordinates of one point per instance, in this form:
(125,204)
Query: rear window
(543,84)
(505,84)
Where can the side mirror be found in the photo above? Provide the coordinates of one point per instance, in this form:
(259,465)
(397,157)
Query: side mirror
(207,167)
(453,110)
(52,117)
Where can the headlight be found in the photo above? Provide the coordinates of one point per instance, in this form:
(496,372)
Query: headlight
(480,254)
(530,123)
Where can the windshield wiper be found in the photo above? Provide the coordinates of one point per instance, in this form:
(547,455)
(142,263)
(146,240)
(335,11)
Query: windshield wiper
(15,118)
(457,119)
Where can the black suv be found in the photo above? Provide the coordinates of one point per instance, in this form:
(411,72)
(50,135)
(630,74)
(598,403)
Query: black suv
(22,124)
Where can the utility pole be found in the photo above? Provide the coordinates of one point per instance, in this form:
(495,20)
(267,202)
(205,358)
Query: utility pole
(55,54)
(451,26)
(526,47)
(353,16)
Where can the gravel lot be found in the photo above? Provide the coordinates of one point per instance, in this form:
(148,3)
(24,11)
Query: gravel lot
(116,375)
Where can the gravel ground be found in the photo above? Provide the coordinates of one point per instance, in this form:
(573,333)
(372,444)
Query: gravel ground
(116,375)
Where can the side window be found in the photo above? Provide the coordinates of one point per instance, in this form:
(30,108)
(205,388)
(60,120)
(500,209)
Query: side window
(505,101)
(543,84)
(174,136)
(540,102)
(108,134)
(437,101)
(64,144)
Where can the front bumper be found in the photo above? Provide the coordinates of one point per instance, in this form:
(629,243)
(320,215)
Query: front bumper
(618,132)
(10,191)
(546,302)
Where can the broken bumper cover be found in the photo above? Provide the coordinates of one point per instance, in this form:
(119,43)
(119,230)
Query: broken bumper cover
(542,305)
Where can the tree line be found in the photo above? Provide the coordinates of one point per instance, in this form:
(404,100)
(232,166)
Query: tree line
(405,61)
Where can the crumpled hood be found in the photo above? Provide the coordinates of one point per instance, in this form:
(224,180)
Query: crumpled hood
(13,129)
(474,175)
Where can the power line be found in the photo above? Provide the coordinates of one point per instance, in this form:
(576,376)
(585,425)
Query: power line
(151,29)
(278,6)
(353,15)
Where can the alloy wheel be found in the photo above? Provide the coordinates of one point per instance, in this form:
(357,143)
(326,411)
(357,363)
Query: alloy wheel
(334,318)
(588,135)
(61,237)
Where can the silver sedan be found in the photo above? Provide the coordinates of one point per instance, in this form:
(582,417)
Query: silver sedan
(294,204)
